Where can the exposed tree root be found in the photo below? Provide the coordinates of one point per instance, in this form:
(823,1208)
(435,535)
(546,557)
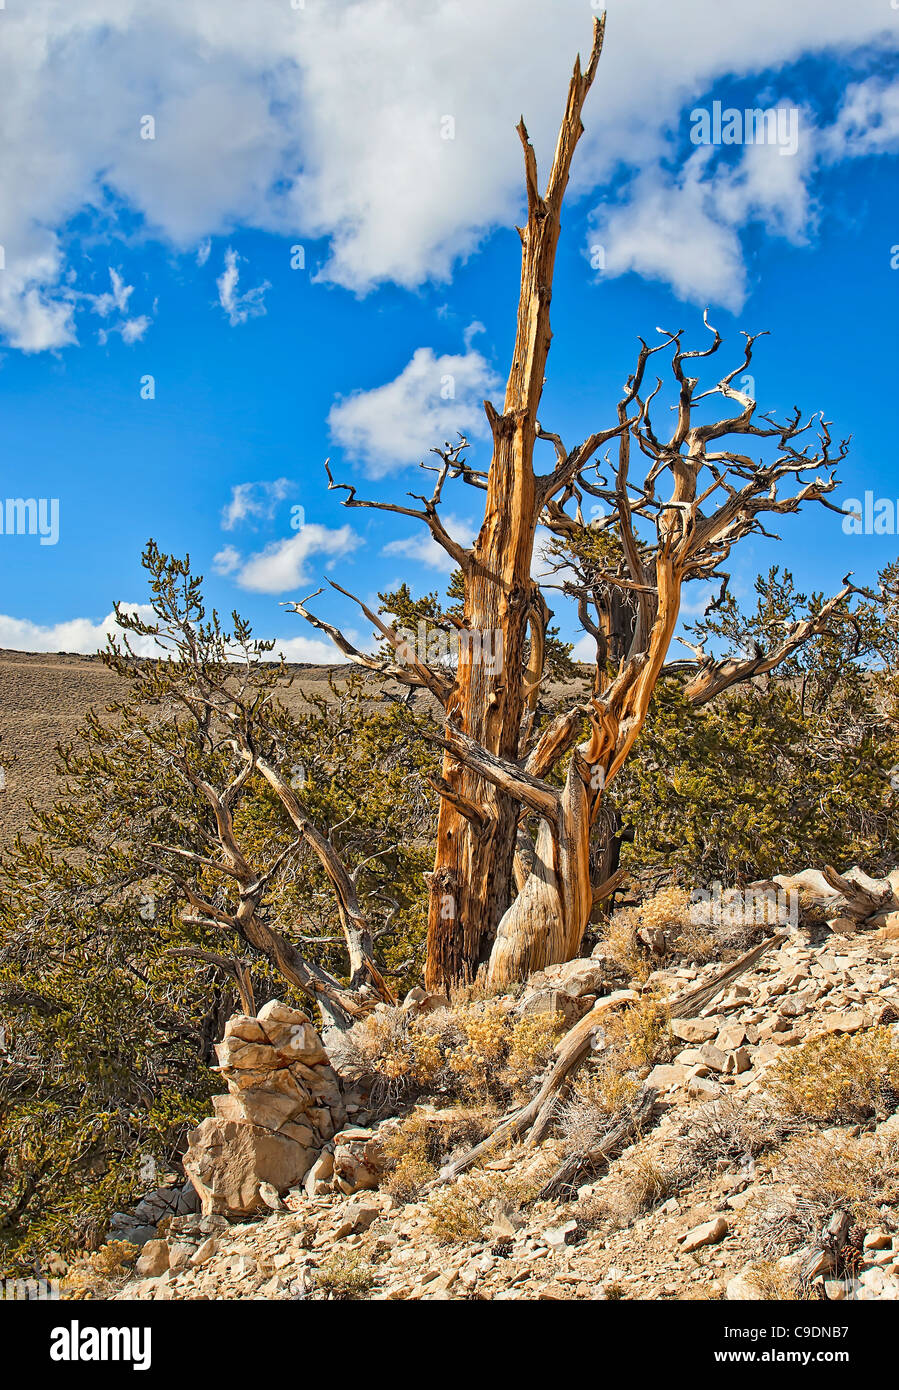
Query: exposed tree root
(538,1114)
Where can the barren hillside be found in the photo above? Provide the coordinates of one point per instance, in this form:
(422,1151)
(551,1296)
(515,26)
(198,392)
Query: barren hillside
(43,699)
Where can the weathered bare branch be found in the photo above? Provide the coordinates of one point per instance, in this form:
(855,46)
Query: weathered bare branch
(428,512)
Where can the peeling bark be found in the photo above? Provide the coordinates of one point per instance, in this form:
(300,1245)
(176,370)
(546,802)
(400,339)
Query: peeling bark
(472,880)
(503,895)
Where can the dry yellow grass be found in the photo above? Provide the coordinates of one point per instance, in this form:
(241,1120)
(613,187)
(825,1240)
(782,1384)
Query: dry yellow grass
(99,1274)
(840,1078)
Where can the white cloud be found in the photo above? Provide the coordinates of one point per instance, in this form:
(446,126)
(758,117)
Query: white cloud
(311,649)
(423,547)
(36,312)
(132,330)
(239,307)
(227,560)
(471,332)
(696,598)
(116,298)
(327,121)
(116,301)
(255,502)
(84,636)
(75,635)
(868,122)
(203,251)
(283,565)
(431,400)
(401,204)
(584,649)
(685,227)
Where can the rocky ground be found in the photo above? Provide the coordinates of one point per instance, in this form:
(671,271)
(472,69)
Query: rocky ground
(664,1219)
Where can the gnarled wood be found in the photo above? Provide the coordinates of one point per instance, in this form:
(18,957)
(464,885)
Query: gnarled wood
(471,884)
(570,1052)
(693,1001)
(574,1047)
(566,1175)
(509,897)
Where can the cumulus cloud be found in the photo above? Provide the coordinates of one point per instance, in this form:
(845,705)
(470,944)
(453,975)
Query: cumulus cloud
(684,227)
(255,502)
(311,650)
(239,307)
(74,635)
(132,330)
(584,649)
(666,231)
(284,564)
(432,399)
(226,560)
(868,121)
(332,121)
(440,195)
(37,313)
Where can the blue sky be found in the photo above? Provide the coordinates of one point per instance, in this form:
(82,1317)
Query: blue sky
(171,258)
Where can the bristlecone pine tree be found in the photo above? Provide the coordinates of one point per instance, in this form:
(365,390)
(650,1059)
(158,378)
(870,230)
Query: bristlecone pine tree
(502,899)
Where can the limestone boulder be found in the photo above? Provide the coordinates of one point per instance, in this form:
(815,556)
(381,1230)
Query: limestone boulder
(153,1260)
(227,1162)
(422,1001)
(318,1179)
(236,1052)
(246,1028)
(284,1104)
(694,1030)
(709,1233)
(227,1107)
(568,989)
(271,1109)
(291,1033)
(551,1001)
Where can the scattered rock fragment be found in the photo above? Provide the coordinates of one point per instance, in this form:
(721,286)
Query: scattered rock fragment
(153,1260)
(709,1233)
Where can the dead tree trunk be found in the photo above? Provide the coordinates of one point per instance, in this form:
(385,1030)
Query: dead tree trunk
(535,1118)
(470,887)
(501,823)
(547,921)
